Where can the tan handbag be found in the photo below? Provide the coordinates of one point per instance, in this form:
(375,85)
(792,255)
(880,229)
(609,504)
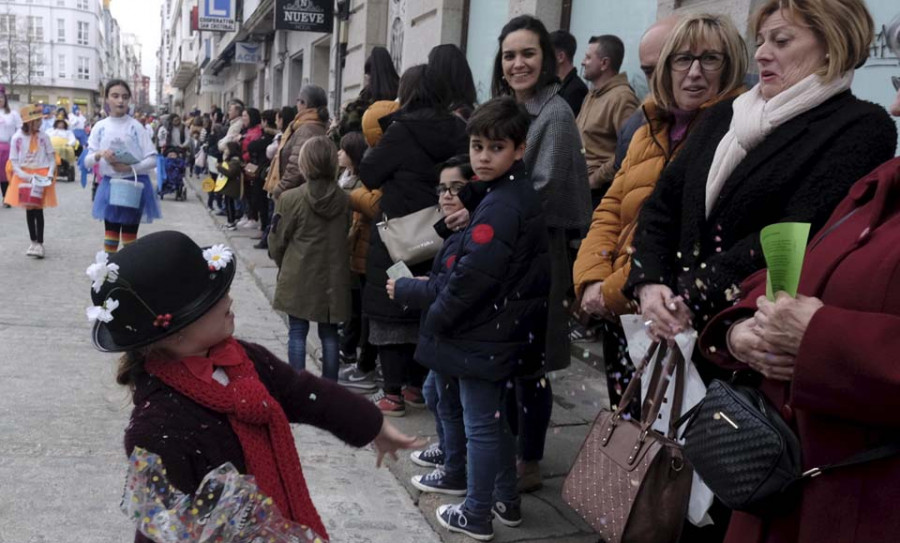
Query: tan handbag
(412,238)
(630,483)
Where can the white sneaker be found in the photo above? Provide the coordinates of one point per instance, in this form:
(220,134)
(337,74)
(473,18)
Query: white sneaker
(39,250)
(251,225)
(243,222)
(31,250)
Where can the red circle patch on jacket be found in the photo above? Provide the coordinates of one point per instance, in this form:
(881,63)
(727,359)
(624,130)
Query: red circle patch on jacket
(451,261)
(483,233)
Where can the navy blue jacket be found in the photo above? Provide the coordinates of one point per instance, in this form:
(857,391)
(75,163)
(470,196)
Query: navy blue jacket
(489,318)
(418,294)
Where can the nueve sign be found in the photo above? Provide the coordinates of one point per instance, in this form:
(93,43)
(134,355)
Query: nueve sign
(304,15)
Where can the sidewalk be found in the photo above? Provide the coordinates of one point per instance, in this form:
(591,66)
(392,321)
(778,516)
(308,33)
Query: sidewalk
(579,392)
(62,417)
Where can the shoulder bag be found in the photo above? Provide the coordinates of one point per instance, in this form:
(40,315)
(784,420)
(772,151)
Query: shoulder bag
(412,238)
(630,483)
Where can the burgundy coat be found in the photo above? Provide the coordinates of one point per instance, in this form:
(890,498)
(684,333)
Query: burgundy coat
(845,395)
(193,440)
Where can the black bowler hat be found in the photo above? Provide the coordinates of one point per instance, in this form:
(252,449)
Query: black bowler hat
(155,287)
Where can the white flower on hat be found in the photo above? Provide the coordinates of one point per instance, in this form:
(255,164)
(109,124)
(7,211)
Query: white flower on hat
(217,257)
(102,313)
(101,271)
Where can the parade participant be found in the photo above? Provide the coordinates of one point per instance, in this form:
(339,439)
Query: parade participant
(203,398)
(31,159)
(77,124)
(123,150)
(9,123)
(525,68)
(47,119)
(308,242)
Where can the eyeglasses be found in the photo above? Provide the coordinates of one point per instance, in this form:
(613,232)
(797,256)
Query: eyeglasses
(453,189)
(709,62)
(896,81)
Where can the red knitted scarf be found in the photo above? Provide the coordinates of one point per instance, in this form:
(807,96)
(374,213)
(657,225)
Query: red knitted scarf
(259,422)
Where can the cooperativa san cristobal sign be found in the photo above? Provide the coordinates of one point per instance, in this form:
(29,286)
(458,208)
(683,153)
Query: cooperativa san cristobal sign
(304,15)
(217,15)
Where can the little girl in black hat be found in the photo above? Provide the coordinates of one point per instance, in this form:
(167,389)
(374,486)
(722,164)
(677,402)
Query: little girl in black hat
(203,398)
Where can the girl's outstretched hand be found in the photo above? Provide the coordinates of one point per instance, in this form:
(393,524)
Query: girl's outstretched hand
(389,440)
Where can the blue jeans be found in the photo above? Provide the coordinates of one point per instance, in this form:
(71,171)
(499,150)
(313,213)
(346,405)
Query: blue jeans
(491,462)
(432,397)
(299,329)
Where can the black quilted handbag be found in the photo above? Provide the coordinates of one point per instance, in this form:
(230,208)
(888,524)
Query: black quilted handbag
(747,454)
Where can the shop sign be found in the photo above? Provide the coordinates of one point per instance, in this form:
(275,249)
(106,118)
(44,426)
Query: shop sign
(247,52)
(217,15)
(304,15)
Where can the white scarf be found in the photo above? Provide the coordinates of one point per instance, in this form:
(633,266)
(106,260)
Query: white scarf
(755,117)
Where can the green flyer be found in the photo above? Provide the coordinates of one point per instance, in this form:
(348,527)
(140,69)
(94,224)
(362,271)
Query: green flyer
(784,245)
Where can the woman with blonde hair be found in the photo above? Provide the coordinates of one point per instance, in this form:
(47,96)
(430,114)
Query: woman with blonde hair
(703,62)
(787,150)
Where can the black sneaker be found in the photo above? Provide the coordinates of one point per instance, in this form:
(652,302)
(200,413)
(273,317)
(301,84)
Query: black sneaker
(432,457)
(453,518)
(508,513)
(437,482)
(361,381)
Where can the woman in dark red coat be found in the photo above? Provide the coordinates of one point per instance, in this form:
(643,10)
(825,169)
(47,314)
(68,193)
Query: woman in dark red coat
(829,358)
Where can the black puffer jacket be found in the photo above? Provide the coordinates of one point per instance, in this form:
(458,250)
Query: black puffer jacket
(403,167)
(489,321)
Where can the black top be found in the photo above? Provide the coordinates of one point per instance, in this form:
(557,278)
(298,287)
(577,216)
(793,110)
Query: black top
(573,91)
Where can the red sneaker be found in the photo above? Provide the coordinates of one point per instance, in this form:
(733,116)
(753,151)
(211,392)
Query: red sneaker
(391,405)
(412,396)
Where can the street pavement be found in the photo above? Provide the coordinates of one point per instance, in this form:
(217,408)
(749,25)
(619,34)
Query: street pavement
(62,416)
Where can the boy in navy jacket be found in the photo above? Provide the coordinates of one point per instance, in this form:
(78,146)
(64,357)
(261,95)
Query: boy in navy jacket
(487,323)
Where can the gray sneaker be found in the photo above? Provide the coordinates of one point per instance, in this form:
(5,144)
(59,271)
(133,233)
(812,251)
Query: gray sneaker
(361,381)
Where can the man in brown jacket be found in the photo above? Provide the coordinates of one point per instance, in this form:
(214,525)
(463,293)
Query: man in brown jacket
(609,103)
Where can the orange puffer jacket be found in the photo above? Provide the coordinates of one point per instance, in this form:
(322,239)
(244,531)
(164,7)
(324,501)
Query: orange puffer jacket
(605,253)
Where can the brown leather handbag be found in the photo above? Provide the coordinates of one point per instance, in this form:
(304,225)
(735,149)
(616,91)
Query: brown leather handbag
(629,482)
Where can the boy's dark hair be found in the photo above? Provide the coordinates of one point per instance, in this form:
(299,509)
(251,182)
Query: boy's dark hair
(499,119)
(234,149)
(565,42)
(458,161)
(354,144)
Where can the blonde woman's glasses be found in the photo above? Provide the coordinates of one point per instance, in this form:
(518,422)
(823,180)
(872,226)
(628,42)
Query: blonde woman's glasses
(709,62)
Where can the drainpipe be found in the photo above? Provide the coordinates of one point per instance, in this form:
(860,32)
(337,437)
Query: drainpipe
(342,16)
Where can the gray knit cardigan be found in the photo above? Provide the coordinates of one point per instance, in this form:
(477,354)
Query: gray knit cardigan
(554,157)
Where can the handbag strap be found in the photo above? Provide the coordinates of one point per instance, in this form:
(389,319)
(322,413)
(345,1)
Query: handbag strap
(871,455)
(648,417)
(678,397)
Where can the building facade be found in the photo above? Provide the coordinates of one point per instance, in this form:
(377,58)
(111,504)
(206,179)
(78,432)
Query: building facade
(202,69)
(61,52)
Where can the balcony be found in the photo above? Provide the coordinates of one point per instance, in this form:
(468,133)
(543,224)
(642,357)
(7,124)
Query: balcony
(185,65)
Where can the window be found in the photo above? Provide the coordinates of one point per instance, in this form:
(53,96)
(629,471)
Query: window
(61,67)
(37,68)
(61,30)
(83,32)
(82,4)
(84,68)
(4,68)
(61,3)
(35,28)
(7,24)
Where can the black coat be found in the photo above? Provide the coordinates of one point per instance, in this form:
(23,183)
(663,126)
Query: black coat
(798,173)
(490,319)
(573,91)
(403,165)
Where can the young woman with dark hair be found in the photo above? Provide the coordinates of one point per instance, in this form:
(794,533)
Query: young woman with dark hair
(451,73)
(380,82)
(123,149)
(253,132)
(403,166)
(525,68)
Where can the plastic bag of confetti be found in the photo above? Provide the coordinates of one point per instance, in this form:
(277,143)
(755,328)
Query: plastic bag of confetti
(227,507)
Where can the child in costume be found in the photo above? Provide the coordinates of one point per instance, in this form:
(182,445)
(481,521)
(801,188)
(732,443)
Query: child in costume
(123,150)
(203,398)
(32,162)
